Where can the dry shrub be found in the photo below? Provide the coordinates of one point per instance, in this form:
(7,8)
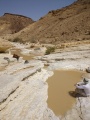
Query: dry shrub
(32,46)
(50,50)
(17,40)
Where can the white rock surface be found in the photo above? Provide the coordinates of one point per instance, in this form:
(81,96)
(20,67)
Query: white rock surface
(24,90)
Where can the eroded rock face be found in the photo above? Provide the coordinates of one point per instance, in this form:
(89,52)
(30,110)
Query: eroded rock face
(27,99)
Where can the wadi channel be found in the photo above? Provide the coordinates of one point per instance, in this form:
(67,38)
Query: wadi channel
(39,89)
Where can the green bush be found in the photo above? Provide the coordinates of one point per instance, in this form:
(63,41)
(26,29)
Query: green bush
(49,50)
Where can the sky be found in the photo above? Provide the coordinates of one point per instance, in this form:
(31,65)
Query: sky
(34,9)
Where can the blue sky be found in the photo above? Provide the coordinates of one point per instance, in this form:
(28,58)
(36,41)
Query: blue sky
(34,9)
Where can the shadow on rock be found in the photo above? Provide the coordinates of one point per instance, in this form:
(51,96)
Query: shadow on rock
(74,94)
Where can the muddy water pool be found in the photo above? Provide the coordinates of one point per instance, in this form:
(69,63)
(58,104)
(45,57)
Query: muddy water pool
(18,52)
(59,86)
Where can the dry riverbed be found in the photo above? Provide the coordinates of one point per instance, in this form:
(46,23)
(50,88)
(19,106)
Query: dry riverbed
(24,87)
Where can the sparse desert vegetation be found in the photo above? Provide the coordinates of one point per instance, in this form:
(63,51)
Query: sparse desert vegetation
(50,50)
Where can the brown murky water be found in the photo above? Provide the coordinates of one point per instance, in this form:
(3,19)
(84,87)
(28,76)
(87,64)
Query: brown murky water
(60,84)
(25,57)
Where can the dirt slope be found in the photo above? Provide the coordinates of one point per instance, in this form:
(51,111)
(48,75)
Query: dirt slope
(71,23)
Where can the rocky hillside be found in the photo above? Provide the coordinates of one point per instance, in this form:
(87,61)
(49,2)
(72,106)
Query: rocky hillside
(13,23)
(71,23)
